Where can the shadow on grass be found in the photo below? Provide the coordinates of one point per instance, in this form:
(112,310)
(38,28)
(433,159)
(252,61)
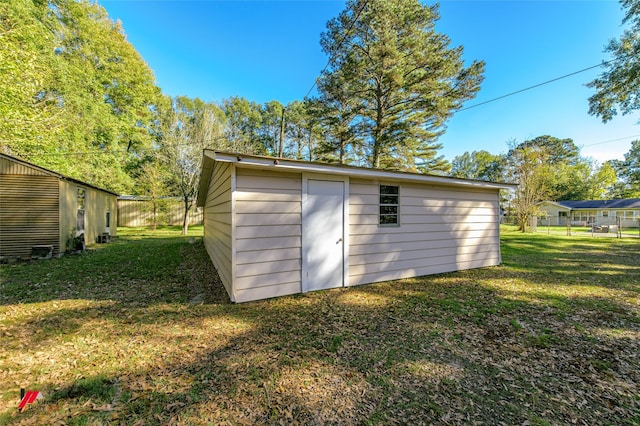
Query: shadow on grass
(451,348)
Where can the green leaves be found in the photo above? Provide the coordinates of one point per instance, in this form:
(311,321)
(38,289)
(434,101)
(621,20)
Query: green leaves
(77,96)
(392,83)
(618,87)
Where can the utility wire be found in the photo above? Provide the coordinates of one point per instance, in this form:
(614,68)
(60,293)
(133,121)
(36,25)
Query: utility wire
(540,84)
(611,140)
(344,37)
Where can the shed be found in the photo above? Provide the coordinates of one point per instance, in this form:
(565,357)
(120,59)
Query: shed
(39,207)
(276,227)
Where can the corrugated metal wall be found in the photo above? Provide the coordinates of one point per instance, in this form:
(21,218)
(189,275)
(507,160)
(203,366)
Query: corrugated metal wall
(29,215)
(8,167)
(171,212)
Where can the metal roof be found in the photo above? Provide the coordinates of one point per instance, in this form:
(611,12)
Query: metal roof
(629,203)
(44,171)
(286,164)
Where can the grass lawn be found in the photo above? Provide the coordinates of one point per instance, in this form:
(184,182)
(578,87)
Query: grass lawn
(140,332)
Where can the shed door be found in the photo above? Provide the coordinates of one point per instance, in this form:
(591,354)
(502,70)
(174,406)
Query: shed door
(322,235)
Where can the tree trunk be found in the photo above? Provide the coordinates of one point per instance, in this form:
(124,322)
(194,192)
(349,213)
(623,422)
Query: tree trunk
(154,225)
(185,220)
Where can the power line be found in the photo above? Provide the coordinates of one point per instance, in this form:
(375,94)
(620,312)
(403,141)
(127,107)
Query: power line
(611,140)
(540,84)
(344,37)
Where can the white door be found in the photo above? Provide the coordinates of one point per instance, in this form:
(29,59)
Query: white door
(322,235)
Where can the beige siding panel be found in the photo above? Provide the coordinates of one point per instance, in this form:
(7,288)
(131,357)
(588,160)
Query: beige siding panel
(269,195)
(29,213)
(356,209)
(269,206)
(400,255)
(442,229)
(252,183)
(265,292)
(420,271)
(275,231)
(421,228)
(218,224)
(418,245)
(268,234)
(264,268)
(433,260)
(259,219)
(245,257)
(357,220)
(267,280)
(267,243)
(431,236)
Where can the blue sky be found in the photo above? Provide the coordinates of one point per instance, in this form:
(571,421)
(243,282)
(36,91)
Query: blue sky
(264,50)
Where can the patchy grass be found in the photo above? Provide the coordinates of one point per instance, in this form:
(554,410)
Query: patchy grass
(141,332)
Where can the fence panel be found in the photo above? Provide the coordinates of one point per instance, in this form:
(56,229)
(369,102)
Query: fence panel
(169,211)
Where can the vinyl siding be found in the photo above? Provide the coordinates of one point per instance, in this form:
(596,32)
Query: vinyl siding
(268,225)
(218,223)
(97,204)
(28,213)
(442,229)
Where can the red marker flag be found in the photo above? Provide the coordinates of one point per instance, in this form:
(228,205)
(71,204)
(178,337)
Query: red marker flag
(29,398)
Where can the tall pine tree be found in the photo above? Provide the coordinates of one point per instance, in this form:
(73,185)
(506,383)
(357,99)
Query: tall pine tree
(404,78)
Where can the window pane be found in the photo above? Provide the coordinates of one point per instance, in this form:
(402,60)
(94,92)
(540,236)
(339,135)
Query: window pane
(388,199)
(388,219)
(388,189)
(389,210)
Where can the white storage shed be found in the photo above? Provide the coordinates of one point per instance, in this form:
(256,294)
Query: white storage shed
(274,227)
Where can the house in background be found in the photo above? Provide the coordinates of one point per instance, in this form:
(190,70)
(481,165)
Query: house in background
(275,227)
(591,212)
(44,209)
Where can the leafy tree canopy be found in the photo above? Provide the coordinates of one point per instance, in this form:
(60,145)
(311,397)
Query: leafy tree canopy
(618,87)
(402,82)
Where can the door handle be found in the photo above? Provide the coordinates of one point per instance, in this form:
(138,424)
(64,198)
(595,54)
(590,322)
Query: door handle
(339,241)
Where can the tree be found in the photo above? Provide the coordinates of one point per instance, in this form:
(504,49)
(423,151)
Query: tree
(479,165)
(628,171)
(402,76)
(603,182)
(243,119)
(27,66)
(84,89)
(269,127)
(189,126)
(618,87)
(559,150)
(302,132)
(528,167)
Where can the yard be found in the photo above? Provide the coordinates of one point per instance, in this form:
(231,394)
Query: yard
(140,332)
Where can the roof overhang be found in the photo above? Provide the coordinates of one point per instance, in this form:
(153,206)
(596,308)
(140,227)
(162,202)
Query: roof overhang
(284,164)
(555,204)
(55,174)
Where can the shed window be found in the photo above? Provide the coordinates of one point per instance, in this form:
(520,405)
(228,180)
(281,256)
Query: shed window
(605,213)
(389,204)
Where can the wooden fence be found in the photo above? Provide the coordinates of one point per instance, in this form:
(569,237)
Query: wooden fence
(170,211)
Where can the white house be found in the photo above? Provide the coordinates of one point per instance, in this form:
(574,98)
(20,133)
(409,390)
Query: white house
(591,212)
(275,227)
